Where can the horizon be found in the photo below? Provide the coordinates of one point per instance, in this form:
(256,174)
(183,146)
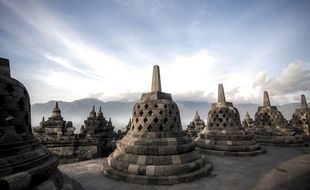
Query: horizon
(105,49)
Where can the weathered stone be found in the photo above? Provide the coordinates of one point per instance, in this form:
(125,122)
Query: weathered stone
(156,144)
(224,134)
(25,163)
(195,126)
(301,119)
(271,128)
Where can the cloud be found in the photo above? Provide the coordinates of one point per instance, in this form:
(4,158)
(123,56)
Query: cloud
(294,78)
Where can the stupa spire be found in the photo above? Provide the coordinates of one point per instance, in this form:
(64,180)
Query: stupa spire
(56,106)
(221,94)
(266,99)
(303,101)
(156,84)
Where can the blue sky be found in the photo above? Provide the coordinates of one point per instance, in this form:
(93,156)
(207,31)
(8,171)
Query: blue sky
(67,50)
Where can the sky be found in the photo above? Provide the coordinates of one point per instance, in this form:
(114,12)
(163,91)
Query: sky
(105,49)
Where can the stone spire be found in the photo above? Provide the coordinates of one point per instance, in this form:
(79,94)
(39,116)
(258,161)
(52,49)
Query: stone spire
(56,113)
(304,102)
(5,67)
(156,84)
(221,94)
(266,99)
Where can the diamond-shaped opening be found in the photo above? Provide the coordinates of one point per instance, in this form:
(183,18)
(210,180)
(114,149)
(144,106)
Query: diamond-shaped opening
(177,113)
(140,127)
(161,128)
(149,128)
(21,104)
(134,113)
(175,119)
(219,124)
(9,88)
(165,106)
(161,112)
(178,126)
(138,107)
(146,106)
(155,106)
(133,127)
(150,112)
(137,120)
(172,106)
(19,129)
(165,120)
(156,120)
(145,120)
(141,113)
(171,126)
(170,112)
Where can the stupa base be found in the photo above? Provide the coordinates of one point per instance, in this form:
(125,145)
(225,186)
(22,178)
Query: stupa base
(284,141)
(231,153)
(156,180)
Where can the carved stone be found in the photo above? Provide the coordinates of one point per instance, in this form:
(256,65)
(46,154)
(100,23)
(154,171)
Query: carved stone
(270,127)
(301,118)
(25,163)
(224,134)
(156,150)
(195,126)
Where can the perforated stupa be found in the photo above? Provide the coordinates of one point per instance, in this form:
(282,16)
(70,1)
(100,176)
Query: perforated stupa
(156,150)
(301,118)
(224,134)
(270,127)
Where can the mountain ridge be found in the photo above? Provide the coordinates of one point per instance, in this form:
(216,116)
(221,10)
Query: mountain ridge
(120,111)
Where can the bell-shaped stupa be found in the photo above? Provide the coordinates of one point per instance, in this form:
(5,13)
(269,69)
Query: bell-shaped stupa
(270,126)
(224,134)
(301,118)
(156,150)
(24,162)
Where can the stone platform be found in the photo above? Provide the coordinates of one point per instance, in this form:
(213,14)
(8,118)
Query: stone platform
(280,168)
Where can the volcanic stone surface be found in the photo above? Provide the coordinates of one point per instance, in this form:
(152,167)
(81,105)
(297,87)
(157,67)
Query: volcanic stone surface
(24,162)
(156,150)
(224,134)
(270,127)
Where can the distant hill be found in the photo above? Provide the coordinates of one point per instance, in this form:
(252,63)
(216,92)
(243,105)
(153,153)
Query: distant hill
(120,112)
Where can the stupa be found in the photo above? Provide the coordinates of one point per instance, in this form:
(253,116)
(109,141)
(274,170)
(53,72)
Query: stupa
(99,131)
(248,122)
(156,150)
(301,118)
(224,134)
(270,127)
(128,125)
(195,126)
(55,127)
(25,163)
(58,135)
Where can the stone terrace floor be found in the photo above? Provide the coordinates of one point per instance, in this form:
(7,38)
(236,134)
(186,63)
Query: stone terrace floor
(280,168)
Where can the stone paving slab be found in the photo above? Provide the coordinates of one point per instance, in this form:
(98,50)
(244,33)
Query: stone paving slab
(280,168)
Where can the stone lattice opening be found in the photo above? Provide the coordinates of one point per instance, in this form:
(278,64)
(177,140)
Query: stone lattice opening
(9,88)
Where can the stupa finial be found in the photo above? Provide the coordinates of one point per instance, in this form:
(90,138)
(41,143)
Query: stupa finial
(93,108)
(266,99)
(221,94)
(156,84)
(303,101)
(56,106)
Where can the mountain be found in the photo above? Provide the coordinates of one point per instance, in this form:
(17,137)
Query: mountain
(120,112)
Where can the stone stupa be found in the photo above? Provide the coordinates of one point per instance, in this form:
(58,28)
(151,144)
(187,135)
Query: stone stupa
(270,126)
(224,134)
(301,118)
(156,150)
(24,162)
(195,126)
(248,122)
